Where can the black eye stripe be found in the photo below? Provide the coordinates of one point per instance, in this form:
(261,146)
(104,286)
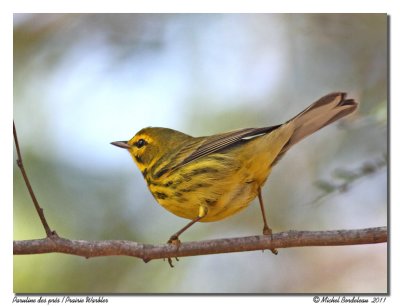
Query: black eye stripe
(140,143)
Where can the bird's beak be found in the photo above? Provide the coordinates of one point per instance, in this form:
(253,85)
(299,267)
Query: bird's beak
(121,144)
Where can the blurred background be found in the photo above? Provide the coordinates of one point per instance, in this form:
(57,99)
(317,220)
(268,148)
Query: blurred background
(84,80)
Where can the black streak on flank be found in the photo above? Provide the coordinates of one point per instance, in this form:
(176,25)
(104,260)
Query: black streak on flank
(202,171)
(169,183)
(160,195)
(148,181)
(195,187)
(181,199)
(161,173)
(210,202)
(138,159)
(188,176)
(202,185)
(144,172)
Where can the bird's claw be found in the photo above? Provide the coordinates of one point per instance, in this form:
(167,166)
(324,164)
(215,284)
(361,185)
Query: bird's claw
(268,232)
(174,241)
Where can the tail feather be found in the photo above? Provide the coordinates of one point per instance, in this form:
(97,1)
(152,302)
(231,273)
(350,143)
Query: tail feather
(325,111)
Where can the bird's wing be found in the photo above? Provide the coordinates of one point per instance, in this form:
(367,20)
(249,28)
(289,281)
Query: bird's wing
(216,143)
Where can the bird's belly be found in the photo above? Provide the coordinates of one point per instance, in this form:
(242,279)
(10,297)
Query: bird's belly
(231,203)
(221,202)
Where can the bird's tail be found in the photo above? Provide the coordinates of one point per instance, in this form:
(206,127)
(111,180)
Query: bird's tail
(326,110)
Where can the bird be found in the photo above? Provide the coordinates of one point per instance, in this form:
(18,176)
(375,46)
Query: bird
(210,178)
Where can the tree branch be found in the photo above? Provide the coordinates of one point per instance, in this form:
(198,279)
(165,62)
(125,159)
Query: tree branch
(55,244)
(39,210)
(147,252)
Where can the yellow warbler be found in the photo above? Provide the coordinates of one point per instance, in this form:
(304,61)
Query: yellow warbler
(213,177)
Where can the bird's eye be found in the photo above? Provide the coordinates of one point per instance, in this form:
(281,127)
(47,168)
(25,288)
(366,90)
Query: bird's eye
(140,143)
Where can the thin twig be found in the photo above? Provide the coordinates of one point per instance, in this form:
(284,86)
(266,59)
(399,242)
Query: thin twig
(39,210)
(148,252)
(347,178)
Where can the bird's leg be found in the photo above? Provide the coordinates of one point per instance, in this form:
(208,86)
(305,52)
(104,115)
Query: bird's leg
(174,239)
(266,230)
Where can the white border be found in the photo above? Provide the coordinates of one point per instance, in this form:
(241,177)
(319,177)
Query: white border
(248,6)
